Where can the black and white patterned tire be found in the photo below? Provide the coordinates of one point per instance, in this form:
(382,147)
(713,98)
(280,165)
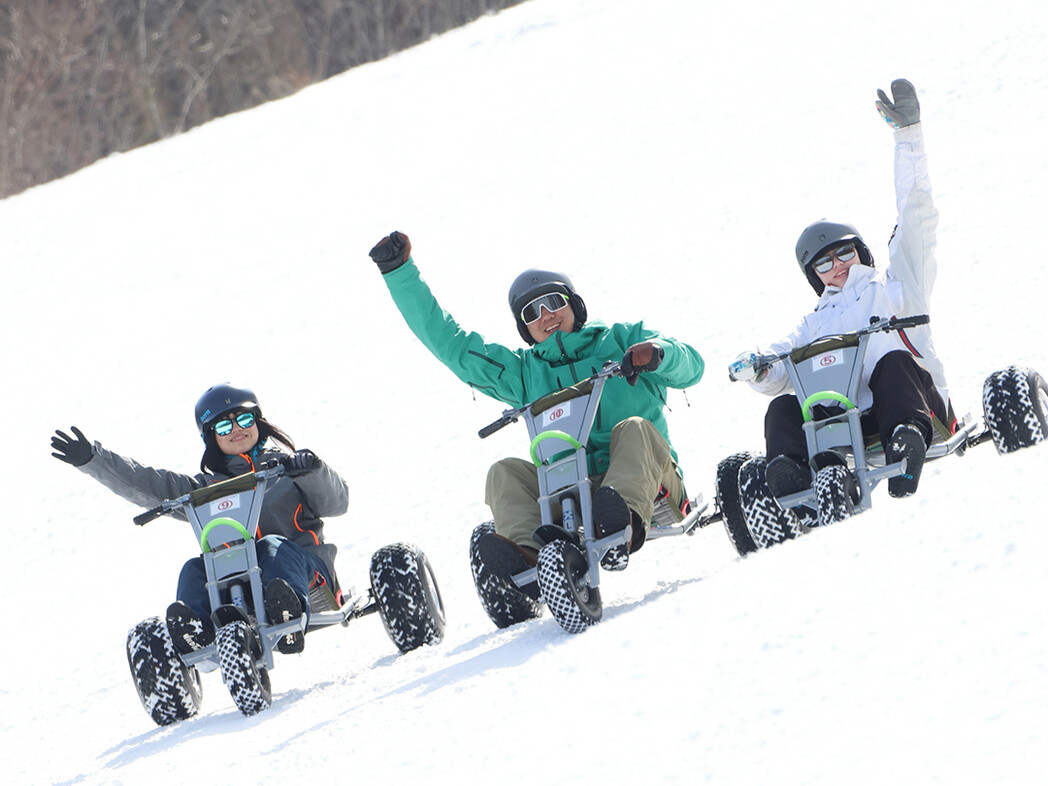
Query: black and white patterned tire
(408,597)
(170,691)
(561,565)
(1015,404)
(504,605)
(238,659)
(767,522)
(729,504)
(832,499)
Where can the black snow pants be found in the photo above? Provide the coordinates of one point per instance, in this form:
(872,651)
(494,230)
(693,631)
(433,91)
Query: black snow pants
(903,391)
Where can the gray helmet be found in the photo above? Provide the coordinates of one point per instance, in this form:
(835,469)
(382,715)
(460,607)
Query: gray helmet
(532,283)
(822,236)
(219,399)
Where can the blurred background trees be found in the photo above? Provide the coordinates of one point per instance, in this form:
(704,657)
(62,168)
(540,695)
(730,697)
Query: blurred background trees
(80,79)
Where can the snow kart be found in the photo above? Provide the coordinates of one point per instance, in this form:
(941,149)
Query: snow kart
(826,375)
(567,573)
(224,517)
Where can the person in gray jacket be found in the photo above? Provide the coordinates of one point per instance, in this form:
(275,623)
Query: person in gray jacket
(292,554)
(903,396)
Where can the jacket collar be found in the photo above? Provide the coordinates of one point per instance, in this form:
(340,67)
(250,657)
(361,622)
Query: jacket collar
(860,277)
(245,462)
(238,465)
(562,348)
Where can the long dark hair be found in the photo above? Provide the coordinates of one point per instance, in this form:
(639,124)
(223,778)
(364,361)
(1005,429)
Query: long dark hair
(214,460)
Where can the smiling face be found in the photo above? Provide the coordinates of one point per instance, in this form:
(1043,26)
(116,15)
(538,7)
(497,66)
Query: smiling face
(550,321)
(843,259)
(239,440)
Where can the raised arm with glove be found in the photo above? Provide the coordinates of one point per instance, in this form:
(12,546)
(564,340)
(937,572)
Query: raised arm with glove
(391,252)
(72,451)
(904,110)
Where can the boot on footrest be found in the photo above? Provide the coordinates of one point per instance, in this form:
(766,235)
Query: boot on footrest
(504,559)
(611,514)
(785,476)
(284,605)
(188,632)
(908,443)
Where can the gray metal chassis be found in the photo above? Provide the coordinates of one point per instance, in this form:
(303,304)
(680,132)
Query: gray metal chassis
(224,517)
(559,426)
(833,365)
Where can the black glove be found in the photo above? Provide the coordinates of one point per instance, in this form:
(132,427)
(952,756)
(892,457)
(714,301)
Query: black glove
(645,356)
(300,463)
(76,452)
(391,252)
(904,110)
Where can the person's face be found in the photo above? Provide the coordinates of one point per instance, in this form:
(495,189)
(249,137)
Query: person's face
(239,439)
(837,264)
(561,317)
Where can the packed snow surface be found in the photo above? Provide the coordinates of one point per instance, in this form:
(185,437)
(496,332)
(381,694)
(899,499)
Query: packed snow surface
(666,154)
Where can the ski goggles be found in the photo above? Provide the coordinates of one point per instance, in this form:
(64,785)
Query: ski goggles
(552,302)
(224,427)
(825,264)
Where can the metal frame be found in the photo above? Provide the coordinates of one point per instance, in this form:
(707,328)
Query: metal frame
(559,425)
(224,517)
(829,369)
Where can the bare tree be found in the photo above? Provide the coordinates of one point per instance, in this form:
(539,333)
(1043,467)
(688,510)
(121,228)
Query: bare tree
(81,79)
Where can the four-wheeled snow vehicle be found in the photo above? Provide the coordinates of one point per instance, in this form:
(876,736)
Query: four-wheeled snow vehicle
(567,574)
(826,375)
(224,517)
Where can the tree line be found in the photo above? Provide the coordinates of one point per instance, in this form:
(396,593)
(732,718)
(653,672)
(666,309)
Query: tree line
(80,79)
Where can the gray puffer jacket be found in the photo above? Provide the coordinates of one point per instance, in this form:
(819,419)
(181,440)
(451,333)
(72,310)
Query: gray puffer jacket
(293,507)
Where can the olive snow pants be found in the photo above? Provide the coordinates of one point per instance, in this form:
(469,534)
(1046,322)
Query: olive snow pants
(640,467)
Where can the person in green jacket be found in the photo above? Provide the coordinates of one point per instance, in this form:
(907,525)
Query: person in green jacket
(631,459)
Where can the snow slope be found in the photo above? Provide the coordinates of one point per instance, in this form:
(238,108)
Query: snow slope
(667,154)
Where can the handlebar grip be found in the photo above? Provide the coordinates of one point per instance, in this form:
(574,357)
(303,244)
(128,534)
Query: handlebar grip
(901,323)
(149,515)
(491,428)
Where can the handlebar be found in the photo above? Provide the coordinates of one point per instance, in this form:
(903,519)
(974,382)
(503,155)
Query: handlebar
(271,469)
(149,515)
(502,422)
(611,368)
(895,323)
(877,325)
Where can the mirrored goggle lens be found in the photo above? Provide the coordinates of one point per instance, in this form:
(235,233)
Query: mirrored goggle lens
(825,264)
(554,301)
(224,427)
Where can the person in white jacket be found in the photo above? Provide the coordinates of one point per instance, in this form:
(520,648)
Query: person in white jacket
(903,386)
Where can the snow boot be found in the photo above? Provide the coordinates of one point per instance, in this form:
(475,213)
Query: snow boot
(785,476)
(907,442)
(611,514)
(188,632)
(284,605)
(494,560)
(503,559)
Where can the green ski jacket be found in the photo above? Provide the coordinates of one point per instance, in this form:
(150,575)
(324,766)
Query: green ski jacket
(517,377)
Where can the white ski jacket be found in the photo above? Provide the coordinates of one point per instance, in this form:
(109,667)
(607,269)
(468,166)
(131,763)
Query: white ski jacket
(903,289)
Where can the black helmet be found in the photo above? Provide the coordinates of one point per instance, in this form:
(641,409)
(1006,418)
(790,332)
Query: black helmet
(532,283)
(219,399)
(823,236)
